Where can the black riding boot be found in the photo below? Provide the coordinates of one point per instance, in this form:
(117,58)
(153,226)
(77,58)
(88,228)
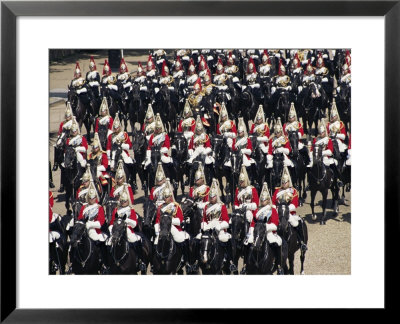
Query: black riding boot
(306,157)
(278,256)
(300,236)
(139,252)
(51,184)
(185,254)
(62,180)
(228,250)
(337,174)
(132,180)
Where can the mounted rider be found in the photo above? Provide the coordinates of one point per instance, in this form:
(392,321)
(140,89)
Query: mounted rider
(242,143)
(279,143)
(199,191)
(252,80)
(141,80)
(293,125)
(126,212)
(202,67)
(326,145)
(179,76)
(104,121)
(336,128)
(308,76)
(220,79)
(93,79)
(63,132)
(345,78)
(265,70)
(104,77)
(281,82)
(261,130)
(119,138)
(124,79)
(267,213)
(120,183)
(225,126)
(167,80)
(215,217)
(149,123)
(151,75)
(84,187)
(160,139)
(54,233)
(200,145)
(99,158)
(232,70)
(287,195)
(184,54)
(78,142)
(79,85)
(187,125)
(191,78)
(171,207)
(296,72)
(93,213)
(156,193)
(323,77)
(160,57)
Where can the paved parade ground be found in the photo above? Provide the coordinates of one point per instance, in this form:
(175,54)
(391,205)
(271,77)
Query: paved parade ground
(329,246)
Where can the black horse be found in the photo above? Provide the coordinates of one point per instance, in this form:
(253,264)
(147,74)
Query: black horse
(149,218)
(282,105)
(239,227)
(219,148)
(192,220)
(179,155)
(166,107)
(136,107)
(58,250)
(80,110)
(343,103)
(211,253)
(84,253)
(260,158)
(289,237)
(155,157)
(71,175)
(260,257)
(320,179)
(123,254)
(139,147)
(299,171)
(275,173)
(232,173)
(249,106)
(167,255)
(313,102)
(109,205)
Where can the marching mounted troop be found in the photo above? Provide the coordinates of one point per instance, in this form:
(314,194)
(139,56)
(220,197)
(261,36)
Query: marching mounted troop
(229,120)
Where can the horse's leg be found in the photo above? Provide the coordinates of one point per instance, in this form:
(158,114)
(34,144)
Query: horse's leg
(291,263)
(313,215)
(324,203)
(302,258)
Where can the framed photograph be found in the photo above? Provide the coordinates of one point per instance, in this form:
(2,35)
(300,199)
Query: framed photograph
(32,32)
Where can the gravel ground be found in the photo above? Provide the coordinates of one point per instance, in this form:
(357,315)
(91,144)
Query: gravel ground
(329,246)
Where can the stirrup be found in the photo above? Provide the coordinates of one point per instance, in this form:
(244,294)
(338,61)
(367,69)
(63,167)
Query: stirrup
(142,266)
(280,271)
(303,247)
(340,183)
(55,167)
(232,267)
(244,270)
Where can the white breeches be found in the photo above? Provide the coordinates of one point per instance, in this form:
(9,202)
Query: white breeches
(348,161)
(301,145)
(274,238)
(264,148)
(96,237)
(287,162)
(342,146)
(81,160)
(132,237)
(294,220)
(127,158)
(179,236)
(224,236)
(53,235)
(246,161)
(166,159)
(249,216)
(188,136)
(326,160)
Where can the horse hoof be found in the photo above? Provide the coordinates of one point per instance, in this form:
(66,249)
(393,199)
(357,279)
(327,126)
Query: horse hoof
(302,273)
(314,217)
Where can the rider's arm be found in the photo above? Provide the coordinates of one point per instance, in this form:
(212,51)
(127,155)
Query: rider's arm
(131,194)
(109,140)
(80,217)
(132,220)
(110,123)
(225,218)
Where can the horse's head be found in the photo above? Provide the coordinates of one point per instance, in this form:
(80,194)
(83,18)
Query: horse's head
(180,144)
(315,93)
(138,141)
(150,210)
(187,206)
(118,231)
(294,142)
(78,233)
(70,158)
(110,205)
(217,143)
(165,225)
(72,97)
(155,156)
(207,247)
(277,163)
(283,213)
(237,224)
(317,154)
(136,92)
(236,162)
(259,234)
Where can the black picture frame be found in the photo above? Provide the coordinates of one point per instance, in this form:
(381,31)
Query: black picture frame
(10,10)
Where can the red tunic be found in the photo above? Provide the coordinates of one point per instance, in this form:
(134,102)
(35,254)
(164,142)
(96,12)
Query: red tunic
(104,163)
(99,217)
(295,199)
(178,213)
(273,219)
(132,217)
(254,196)
(126,141)
(83,143)
(223,216)
(193,126)
(342,129)
(271,148)
(233,128)
(328,147)
(266,130)
(248,146)
(51,199)
(299,128)
(110,123)
(166,143)
(205,198)
(206,144)
(129,189)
